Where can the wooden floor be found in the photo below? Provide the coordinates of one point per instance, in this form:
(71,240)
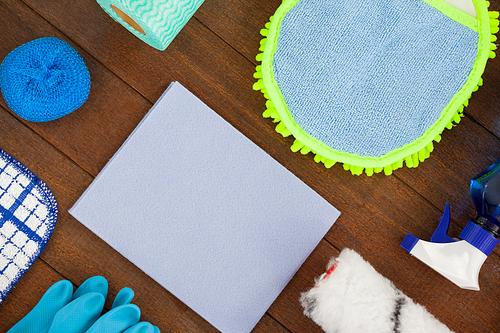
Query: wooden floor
(214,57)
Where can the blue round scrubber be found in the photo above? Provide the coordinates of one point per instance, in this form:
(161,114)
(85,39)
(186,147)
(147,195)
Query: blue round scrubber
(44,79)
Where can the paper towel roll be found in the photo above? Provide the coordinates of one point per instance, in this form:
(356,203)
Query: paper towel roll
(156,22)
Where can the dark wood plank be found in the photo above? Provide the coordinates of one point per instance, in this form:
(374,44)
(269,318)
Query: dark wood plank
(267,324)
(247,13)
(213,57)
(484,105)
(239,18)
(463,152)
(286,309)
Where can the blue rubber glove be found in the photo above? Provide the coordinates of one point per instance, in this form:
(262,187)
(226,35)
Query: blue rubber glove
(117,320)
(60,311)
(78,315)
(95,284)
(143,327)
(58,302)
(40,318)
(123,297)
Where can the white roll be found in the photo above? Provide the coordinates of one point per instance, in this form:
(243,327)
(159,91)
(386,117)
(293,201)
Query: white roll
(352,298)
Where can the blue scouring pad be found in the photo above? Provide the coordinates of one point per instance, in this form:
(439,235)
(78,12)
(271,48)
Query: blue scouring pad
(44,79)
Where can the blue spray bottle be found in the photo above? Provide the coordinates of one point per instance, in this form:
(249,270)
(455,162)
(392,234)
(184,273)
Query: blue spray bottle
(460,260)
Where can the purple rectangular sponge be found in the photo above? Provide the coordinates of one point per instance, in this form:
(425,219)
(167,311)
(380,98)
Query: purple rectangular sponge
(205,212)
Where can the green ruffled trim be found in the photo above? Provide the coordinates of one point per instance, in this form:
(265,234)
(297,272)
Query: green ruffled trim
(411,160)
(455,14)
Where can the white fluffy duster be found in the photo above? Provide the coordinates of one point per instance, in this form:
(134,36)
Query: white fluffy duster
(353,298)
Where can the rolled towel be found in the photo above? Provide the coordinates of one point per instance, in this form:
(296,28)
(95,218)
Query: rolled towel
(353,297)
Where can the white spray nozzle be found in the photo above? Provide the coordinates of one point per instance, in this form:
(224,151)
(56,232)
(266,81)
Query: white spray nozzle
(458,261)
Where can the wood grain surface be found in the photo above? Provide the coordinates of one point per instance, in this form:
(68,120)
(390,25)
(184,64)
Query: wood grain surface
(214,57)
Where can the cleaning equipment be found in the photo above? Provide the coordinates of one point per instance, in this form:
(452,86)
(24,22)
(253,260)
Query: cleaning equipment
(44,79)
(372,83)
(61,311)
(58,306)
(123,297)
(143,327)
(28,214)
(353,297)
(461,261)
(77,316)
(117,320)
(155,22)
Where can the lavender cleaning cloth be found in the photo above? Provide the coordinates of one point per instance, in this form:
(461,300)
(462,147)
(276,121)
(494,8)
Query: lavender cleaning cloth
(205,212)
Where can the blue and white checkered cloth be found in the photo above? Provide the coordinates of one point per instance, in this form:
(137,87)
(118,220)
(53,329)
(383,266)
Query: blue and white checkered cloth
(28,214)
